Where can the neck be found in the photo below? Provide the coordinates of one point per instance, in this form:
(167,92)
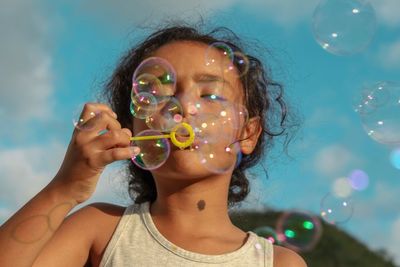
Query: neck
(198,206)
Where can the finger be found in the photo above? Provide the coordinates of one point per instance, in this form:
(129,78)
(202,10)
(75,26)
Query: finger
(114,154)
(112,139)
(102,121)
(90,110)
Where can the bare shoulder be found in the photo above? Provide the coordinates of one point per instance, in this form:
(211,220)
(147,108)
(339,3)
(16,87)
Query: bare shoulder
(284,257)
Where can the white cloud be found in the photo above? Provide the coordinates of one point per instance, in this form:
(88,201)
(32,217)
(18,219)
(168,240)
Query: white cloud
(387,11)
(334,160)
(25,171)
(25,73)
(389,55)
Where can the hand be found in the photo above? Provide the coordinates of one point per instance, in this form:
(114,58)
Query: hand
(91,149)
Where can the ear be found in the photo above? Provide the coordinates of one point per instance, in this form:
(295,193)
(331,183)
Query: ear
(250,134)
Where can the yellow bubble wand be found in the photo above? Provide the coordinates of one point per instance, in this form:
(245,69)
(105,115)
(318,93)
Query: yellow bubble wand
(172,136)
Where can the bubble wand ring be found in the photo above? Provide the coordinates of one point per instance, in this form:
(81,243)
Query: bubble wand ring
(172,136)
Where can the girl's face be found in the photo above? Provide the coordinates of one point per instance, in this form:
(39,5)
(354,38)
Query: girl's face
(210,97)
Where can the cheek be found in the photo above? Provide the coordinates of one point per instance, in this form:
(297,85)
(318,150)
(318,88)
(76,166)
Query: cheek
(138,126)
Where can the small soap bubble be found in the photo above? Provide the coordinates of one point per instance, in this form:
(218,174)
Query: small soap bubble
(379,111)
(269,233)
(153,153)
(219,55)
(217,157)
(358,179)
(344,27)
(336,210)
(79,121)
(298,230)
(143,105)
(395,158)
(160,69)
(167,115)
(148,83)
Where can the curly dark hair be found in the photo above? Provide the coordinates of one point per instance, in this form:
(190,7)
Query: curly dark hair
(263,98)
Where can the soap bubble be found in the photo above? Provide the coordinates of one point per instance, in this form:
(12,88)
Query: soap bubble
(219,55)
(148,83)
(344,27)
(269,233)
(242,62)
(153,153)
(336,210)
(159,68)
(143,105)
(379,111)
(217,157)
(298,230)
(168,114)
(79,122)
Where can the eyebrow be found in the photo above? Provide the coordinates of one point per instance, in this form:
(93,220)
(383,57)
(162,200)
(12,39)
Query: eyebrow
(207,77)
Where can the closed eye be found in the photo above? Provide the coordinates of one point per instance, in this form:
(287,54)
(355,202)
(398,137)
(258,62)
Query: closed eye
(213,97)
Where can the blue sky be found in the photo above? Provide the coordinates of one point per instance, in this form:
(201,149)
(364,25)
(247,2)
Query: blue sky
(55,56)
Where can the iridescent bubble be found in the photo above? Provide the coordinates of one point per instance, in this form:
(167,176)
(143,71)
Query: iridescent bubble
(298,230)
(219,55)
(217,157)
(234,115)
(395,158)
(79,121)
(153,153)
(379,112)
(160,69)
(143,105)
(359,180)
(344,27)
(148,83)
(336,210)
(208,129)
(167,115)
(269,233)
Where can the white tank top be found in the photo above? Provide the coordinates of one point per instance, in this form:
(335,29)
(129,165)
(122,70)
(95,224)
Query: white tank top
(137,242)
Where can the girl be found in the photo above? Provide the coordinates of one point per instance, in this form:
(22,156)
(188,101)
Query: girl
(180,211)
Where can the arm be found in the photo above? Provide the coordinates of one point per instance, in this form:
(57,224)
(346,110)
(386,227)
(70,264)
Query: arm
(284,257)
(28,231)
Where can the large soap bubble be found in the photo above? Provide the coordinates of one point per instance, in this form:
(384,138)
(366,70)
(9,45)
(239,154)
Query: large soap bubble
(344,27)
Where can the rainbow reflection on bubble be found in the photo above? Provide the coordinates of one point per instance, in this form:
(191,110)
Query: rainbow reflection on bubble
(298,230)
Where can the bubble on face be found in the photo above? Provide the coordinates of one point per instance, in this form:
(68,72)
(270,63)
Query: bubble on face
(342,187)
(153,153)
(218,157)
(359,180)
(267,232)
(298,230)
(156,76)
(148,83)
(79,121)
(143,105)
(344,27)
(379,111)
(219,55)
(395,158)
(208,129)
(167,115)
(234,115)
(336,210)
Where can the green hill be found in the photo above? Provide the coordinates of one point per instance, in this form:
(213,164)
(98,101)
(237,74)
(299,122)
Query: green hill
(334,249)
